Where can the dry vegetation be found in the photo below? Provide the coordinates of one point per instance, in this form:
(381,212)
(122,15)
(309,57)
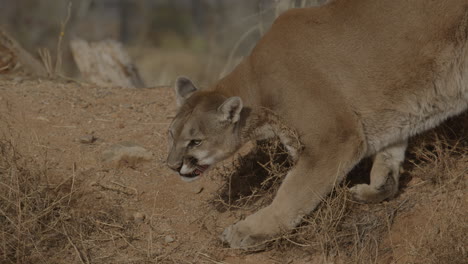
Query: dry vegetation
(46,222)
(344,231)
(50,218)
(58,216)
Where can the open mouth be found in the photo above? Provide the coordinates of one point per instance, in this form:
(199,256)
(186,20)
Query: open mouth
(199,169)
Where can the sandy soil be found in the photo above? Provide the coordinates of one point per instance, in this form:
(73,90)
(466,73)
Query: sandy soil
(154,217)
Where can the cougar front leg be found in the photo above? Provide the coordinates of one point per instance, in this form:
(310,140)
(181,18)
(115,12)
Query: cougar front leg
(304,187)
(384,175)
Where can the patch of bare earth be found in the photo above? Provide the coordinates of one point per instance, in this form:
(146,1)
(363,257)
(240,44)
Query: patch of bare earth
(61,201)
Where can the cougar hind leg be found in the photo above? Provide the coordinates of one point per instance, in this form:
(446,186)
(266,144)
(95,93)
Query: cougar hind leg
(384,175)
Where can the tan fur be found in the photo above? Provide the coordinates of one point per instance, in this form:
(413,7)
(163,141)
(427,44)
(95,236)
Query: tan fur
(353,78)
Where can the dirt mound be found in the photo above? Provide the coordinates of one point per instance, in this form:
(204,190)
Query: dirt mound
(60,203)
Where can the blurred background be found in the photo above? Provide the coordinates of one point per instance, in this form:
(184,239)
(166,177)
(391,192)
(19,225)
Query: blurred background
(202,39)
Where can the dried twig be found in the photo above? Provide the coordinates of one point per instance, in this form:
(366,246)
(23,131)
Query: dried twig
(83,258)
(63,24)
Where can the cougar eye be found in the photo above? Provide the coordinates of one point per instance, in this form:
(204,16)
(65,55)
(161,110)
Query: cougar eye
(195,142)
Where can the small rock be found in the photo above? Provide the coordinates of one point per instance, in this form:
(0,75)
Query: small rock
(128,106)
(89,139)
(139,217)
(42,119)
(126,154)
(168,239)
(197,189)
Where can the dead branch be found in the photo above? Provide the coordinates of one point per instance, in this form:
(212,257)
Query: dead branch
(20,55)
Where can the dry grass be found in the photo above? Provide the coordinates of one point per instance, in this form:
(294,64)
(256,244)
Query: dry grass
(54,70)
(444,238)
(26,206)
(440,161)
(347,232)
(337,228)
(40,221)
(254,178)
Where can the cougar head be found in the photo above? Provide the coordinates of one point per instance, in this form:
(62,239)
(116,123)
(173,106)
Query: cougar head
(204,131)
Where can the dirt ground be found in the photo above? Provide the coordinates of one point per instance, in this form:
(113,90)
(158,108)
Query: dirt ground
(141,212)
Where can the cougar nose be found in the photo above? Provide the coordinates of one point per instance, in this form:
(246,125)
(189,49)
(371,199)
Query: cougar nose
(175,166)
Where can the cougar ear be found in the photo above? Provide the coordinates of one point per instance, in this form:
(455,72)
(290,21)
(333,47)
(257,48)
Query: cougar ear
(184,89)
(230,109)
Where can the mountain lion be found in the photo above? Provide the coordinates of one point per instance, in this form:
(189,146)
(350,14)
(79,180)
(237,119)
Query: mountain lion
(335,84)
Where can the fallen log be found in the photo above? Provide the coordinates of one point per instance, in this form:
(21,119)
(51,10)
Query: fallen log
(105,63)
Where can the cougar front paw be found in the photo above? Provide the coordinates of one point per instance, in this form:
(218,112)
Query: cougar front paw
(358,192)
(368,194)
(240,235)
